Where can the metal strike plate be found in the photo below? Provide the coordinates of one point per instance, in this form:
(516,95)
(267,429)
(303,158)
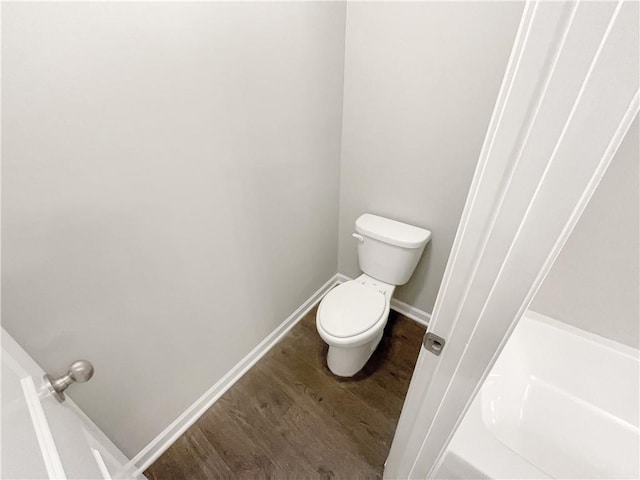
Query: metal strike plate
(433,343)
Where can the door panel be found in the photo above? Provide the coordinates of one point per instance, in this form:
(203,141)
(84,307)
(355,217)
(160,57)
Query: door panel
(43,438)
(569,96)
(20,445)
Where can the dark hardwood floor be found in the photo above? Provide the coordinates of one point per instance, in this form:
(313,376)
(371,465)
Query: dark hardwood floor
(289,417)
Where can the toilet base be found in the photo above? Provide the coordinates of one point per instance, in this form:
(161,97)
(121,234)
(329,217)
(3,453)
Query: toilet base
(347,361)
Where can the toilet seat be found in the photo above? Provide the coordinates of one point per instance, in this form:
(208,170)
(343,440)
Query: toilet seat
(351,309)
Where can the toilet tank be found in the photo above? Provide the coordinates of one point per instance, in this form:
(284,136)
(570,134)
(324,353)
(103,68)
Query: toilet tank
(389,250)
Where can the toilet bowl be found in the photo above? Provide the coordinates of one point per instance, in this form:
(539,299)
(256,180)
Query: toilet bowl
(351,317)
(351,320)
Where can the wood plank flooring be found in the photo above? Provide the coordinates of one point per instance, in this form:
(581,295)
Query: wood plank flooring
(290,417)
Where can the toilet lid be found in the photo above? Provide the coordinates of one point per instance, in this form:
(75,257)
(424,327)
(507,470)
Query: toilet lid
(350,309)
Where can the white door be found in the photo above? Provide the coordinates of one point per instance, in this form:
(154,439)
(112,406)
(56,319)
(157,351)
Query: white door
(568,97)
(43,438)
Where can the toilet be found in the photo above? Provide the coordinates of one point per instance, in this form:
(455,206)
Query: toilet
(351,317)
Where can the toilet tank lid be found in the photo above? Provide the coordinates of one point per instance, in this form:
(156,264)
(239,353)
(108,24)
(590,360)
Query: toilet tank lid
(392,231)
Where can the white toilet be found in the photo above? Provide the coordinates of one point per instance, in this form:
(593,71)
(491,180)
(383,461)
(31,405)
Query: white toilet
(351,317)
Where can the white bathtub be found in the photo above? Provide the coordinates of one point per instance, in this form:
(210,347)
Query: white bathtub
(559,403)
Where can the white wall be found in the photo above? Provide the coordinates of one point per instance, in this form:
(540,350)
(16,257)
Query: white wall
(594,282)
(170,190)
(421,80)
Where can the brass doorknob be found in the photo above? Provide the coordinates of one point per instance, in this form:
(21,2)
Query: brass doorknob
(80,371)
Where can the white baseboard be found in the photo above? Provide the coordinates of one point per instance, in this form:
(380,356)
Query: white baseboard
(163,441)
(169,435)
(409,311)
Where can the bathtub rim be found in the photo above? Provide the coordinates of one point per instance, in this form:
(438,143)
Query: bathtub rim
(620,348)
(493,458)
